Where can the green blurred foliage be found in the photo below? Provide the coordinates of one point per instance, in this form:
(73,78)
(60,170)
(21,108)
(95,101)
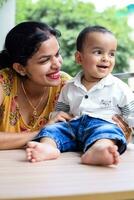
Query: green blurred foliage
(70,17)
(2,2)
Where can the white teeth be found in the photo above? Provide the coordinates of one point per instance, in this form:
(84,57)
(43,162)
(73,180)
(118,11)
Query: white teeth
(56,75)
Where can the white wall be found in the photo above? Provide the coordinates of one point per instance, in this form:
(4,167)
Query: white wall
(7,19)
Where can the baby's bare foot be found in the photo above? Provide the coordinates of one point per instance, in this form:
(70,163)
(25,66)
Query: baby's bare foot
(116,156)
(101,153)
(41,151)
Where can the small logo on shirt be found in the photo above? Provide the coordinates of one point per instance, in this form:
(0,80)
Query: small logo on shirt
(105,103)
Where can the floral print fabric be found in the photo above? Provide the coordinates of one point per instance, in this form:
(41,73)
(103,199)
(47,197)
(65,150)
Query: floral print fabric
(10,117)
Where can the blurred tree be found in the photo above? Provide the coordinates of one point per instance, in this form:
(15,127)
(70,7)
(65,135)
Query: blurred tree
(70,17)
(2,2)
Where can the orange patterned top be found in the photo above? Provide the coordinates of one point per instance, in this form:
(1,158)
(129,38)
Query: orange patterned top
(10,117)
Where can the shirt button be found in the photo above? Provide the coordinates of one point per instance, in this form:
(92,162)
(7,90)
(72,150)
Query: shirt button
(86,96)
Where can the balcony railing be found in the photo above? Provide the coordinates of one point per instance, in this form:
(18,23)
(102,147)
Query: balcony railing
(127,77)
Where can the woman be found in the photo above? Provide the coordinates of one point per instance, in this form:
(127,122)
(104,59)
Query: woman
(30,82)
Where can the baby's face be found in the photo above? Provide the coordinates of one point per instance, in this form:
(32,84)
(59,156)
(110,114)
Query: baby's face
(98,55)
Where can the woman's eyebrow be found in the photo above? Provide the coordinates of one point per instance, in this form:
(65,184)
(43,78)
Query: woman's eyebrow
(44,56)
(48,56)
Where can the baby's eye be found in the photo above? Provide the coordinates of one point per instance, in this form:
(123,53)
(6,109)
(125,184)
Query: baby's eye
(97,52)
(112,54)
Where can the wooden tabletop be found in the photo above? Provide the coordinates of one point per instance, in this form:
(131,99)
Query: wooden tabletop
(65,178)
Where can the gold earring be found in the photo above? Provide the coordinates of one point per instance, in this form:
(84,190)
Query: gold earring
(22,74)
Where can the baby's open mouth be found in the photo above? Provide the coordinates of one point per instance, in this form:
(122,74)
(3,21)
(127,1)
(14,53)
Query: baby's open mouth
(102,66)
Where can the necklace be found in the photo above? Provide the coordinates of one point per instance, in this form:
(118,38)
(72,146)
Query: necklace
(35,113)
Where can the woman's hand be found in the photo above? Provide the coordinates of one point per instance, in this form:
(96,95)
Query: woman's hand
(124,126)
(59,116)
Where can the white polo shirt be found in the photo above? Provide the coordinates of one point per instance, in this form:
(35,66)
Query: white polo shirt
(108,97)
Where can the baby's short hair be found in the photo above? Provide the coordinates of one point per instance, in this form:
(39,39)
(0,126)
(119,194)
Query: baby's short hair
(89,29)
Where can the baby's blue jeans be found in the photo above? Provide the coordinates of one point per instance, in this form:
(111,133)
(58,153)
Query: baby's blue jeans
(81,133)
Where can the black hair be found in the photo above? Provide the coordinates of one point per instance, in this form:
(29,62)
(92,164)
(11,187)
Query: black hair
(23,41)
(89,29)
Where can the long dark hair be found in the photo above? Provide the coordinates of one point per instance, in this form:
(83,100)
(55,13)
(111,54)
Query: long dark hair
(23,41)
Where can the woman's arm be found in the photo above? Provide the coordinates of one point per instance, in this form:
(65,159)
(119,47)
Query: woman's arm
(124,126)
(59,116)
(15,140)
(19,140)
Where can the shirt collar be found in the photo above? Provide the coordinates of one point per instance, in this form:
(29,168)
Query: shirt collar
(108,80)
(77,79)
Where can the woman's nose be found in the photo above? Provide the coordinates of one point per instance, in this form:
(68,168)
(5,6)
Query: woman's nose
(56,61)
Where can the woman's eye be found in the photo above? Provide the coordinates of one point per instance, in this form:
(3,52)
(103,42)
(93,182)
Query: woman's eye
(58,54)
(44,61)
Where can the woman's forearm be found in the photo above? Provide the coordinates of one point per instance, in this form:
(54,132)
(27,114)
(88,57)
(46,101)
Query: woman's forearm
(15,140)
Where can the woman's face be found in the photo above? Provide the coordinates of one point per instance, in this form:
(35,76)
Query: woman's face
(44,66)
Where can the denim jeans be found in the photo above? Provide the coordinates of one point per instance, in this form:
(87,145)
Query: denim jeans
(81,133)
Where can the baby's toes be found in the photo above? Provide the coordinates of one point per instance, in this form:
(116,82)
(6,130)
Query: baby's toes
(28,153)
(33,160)
(116,157)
